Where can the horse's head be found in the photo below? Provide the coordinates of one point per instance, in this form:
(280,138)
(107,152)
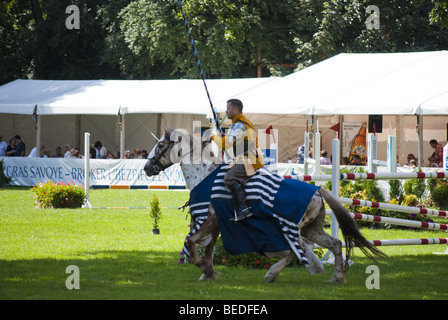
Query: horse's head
(159,158)
(180,146)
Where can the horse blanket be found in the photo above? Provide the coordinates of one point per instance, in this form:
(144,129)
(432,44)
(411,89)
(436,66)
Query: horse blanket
(278,205)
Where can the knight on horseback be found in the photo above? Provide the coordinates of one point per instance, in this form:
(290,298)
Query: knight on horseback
(241,145)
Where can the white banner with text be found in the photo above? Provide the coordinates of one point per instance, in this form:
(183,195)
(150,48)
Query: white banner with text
(26,171)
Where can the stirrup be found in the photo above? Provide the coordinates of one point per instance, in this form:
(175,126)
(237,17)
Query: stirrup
(241,215)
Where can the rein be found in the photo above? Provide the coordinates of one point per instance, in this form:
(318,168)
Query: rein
(158,166)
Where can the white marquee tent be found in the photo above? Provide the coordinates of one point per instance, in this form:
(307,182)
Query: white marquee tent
(353,83)
(400,84)
(344,88)
(145,104)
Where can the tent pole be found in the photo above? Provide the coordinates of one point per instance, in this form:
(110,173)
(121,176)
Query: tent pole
(340,137)
(420,140)
(38,135)
(78,130)
(159,125)
(122,135)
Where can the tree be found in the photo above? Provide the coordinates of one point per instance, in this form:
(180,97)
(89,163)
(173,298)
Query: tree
(339,26)
(233,38)
(62,53)
(146,39)
(439,14)
(15,30)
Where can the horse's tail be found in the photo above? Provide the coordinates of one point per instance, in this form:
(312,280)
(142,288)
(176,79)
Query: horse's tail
(352,236)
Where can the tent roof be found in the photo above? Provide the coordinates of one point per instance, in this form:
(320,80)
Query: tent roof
(349,83)
(352,83)
(113,96)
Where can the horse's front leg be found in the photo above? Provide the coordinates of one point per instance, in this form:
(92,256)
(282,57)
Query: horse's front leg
(213,228)
(276,268)
(205,236)
(211,273)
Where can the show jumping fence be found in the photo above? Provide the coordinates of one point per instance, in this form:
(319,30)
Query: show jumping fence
(336,176)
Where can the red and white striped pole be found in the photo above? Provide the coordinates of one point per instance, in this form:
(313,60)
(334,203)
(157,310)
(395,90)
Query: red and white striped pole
(393,207)
(402,242)
(397,222)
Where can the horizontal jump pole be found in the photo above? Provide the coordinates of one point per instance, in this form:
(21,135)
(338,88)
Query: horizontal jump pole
(393,175)
(306,177)
(372,176)
(393,207)
(135,208)
(142,187)
(402,242)
(395,221)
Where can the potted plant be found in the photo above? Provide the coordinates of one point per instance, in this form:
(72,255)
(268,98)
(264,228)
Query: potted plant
(156,214)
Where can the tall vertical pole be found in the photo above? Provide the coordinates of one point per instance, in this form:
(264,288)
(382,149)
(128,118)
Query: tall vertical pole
(336,175)
(420,140)
(87,169)
(38,136)
(307,151)
(122,135)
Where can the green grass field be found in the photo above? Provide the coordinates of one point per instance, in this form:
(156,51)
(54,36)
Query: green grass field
(119,258)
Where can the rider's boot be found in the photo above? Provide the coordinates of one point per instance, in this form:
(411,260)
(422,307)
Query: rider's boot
(239,196)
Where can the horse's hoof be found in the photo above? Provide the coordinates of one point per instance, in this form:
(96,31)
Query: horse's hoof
(269,279)
(316,269)
(213,276)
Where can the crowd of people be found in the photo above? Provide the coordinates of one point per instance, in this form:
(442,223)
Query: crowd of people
(17,148)
(435,160)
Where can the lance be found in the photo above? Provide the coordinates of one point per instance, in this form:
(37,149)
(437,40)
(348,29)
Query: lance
(198,62)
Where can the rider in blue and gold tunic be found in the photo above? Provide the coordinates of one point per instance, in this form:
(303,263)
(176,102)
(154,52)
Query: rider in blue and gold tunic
(241,145)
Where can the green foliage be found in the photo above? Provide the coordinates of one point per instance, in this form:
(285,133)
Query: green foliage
(416,187)
(156,212)
(396,190)
(58,195)
(4,179)
(364,190)
(439,193)
(411,193)
(339,27)
(146,39)
(439,14)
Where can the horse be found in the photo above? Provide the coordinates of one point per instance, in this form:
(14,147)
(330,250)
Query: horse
(310,227)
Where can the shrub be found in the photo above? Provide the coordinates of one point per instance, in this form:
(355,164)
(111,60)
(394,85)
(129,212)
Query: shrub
(439,193)
(416,187)
(364,190)
(4,179)
(396,191)
(156,212)
(58,195)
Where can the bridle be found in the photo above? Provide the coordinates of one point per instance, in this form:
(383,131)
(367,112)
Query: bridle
(155,160)
(159,152)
